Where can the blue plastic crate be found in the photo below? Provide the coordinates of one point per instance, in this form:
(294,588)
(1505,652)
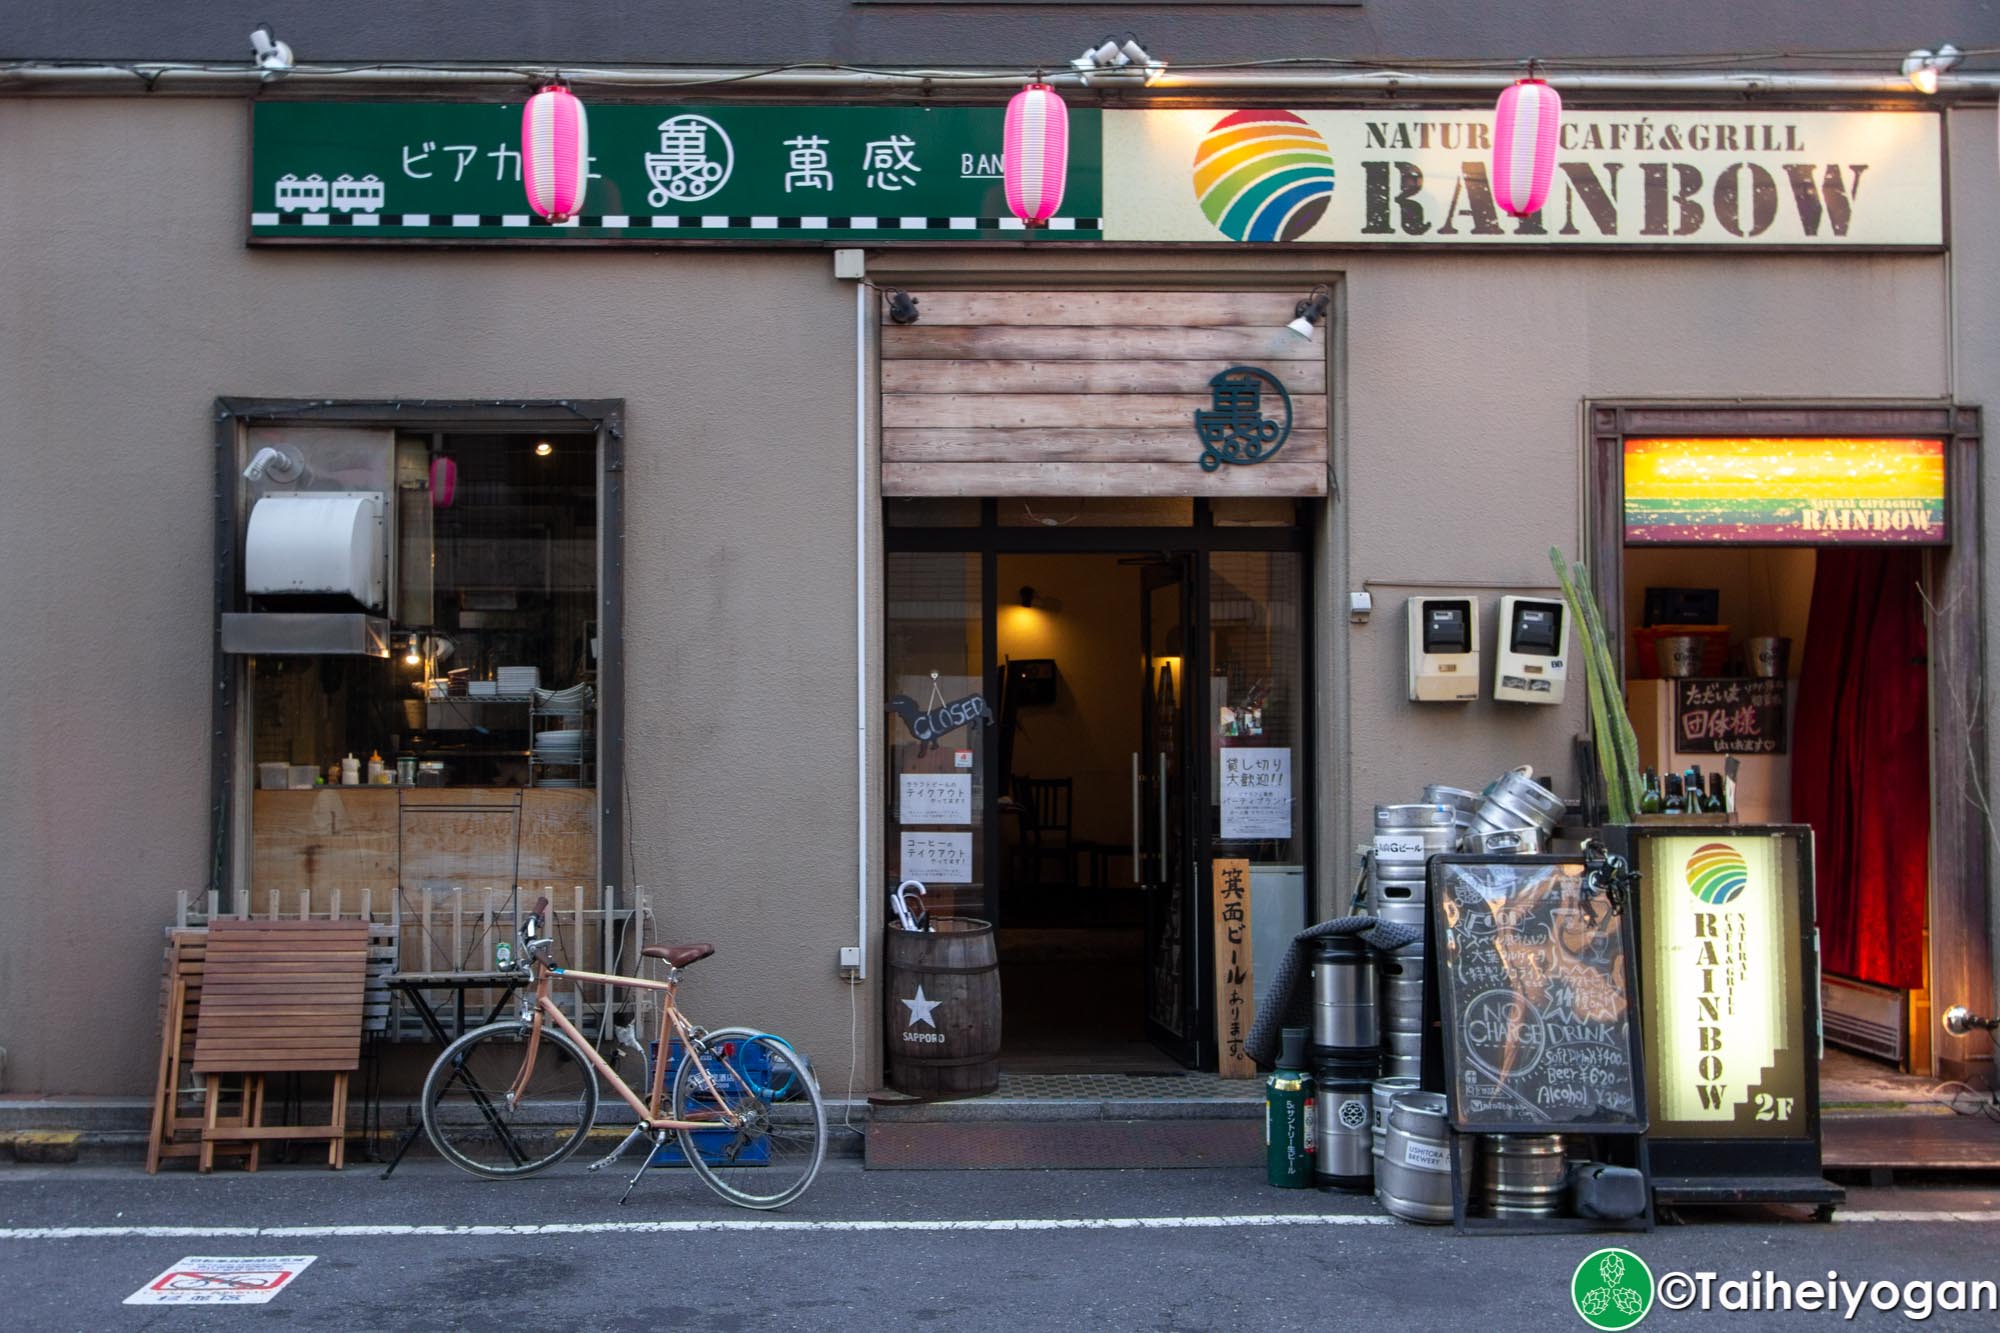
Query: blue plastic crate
(713,1144)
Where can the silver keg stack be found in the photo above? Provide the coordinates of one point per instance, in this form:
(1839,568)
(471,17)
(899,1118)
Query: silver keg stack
(1514,815)
(1406,837)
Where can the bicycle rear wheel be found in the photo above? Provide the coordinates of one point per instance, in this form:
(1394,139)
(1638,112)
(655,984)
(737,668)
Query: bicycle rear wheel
(769,1134)
(470,1121)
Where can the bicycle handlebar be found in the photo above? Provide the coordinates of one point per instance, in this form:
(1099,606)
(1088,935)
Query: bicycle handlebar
(533,943)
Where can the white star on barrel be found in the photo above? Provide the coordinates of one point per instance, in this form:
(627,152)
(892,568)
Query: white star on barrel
(920,1009)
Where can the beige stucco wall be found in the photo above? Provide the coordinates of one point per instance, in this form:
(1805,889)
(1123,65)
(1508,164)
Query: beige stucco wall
(1975,315)
(131,302)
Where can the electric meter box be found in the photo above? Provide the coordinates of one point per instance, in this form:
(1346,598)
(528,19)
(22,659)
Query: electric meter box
(1530,666)
(1444,649)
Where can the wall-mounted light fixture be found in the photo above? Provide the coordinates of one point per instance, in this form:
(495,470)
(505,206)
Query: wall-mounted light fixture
(1027,595)
(414,655)
(1122,57)
(543,448)
(272,55)
(1922,68)
(902,308)
(1310,311)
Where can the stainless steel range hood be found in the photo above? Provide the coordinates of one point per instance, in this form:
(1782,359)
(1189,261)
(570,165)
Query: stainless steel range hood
(318,546)
(286,633)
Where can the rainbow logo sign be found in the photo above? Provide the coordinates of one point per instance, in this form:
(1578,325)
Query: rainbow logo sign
(1717,873)
(1263,176)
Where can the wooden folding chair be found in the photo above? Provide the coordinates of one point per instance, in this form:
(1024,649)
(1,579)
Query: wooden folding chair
(279,997)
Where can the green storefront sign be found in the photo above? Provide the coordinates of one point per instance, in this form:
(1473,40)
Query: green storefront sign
(357,171)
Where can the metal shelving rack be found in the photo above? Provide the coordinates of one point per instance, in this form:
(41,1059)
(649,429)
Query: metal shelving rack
(582,768)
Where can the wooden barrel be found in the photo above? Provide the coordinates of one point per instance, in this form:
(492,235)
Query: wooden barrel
(942,1009)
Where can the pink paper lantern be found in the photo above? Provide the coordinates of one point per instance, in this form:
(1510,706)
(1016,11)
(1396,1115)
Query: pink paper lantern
(1526,126)
(1035,153)
(555,153)
(444,483)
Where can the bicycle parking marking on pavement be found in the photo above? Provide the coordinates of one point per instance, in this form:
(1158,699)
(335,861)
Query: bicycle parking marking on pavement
(211,1280)
(328,1230)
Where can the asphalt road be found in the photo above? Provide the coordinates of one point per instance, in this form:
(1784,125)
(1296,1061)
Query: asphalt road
(1201,1249)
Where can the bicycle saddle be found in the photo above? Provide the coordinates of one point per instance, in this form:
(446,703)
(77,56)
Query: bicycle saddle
(678,955)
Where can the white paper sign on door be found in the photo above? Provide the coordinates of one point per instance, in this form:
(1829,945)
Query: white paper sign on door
(1256,793)
(938,858)
(936,798)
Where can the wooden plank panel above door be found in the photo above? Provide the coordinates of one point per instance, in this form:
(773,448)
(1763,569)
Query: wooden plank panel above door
(997,376)
(1060,411)
(1092,393)
(1114,309)
(1129,343)
(1279,477)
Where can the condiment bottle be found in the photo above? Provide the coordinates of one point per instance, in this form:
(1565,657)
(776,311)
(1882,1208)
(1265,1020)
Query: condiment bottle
(350,772)
(376,772)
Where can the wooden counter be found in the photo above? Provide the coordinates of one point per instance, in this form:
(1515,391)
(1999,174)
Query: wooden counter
(336,844)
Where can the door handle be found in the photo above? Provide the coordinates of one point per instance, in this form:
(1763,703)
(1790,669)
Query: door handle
(1138,875)
(1163,815)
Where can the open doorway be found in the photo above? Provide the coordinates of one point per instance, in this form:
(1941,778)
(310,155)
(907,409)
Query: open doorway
(1803,672)
(1091,743)
(1145,666)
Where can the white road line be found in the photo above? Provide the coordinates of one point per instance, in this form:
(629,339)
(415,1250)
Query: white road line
(1917,1215)
(715,1224)
(864,1224)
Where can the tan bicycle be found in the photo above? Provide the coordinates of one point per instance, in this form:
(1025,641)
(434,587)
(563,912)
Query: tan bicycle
(518,1096)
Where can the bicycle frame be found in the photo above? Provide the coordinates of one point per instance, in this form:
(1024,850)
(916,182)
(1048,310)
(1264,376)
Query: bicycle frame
(647,1110)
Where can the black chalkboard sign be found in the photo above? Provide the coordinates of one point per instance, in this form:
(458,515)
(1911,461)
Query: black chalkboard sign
(1536,991)
(1729,716)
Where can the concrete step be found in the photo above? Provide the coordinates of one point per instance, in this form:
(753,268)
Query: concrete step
(965,1144)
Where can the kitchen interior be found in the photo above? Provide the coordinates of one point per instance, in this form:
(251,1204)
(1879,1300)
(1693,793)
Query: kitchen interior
(419,616)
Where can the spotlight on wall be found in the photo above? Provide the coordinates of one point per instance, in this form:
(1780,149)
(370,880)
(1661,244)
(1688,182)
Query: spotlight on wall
(1027,595)
(902,308)
(1311,311)
(543,448)
(272,55)
(414,655)
(1922,68)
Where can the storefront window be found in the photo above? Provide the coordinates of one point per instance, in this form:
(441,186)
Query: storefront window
(492,643)
(937,736)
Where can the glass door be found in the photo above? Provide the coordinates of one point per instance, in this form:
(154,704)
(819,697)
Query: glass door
(1257,717)
(1162,809)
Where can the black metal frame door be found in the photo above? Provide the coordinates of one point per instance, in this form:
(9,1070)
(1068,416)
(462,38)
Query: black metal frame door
(1164,778)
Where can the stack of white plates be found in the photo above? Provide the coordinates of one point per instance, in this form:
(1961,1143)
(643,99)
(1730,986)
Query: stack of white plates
(482,689)
(559,747)
(518,679)
(575,699)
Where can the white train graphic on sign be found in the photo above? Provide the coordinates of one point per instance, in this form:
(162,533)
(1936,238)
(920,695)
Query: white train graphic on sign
(313,194)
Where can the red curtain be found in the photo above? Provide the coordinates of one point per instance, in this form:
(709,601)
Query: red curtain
(1861,762)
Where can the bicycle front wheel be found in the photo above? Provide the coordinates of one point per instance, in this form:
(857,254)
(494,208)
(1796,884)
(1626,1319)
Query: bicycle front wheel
(473,1123)
(769,1126)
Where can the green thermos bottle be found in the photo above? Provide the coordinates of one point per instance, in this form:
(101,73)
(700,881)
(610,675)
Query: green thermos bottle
(1289,1133)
